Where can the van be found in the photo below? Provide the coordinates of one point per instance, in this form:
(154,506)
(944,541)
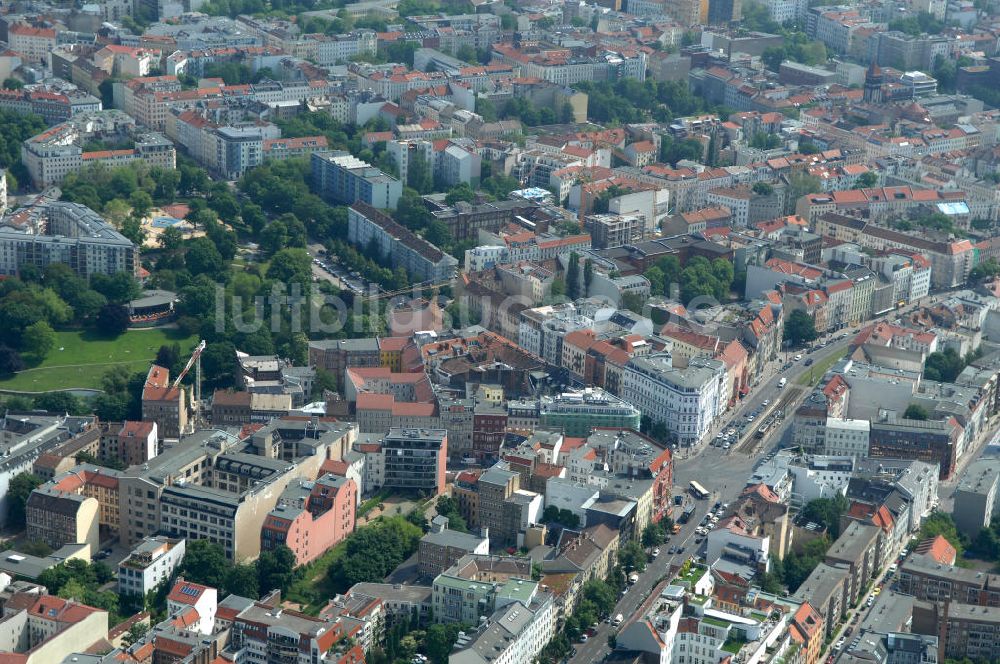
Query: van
(782,383)
(633,578)
(618,620)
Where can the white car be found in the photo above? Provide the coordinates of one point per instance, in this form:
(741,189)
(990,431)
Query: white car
(798,357)
(656,552)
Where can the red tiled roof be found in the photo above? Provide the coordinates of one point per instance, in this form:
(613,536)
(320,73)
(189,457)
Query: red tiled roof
(186,592)
(939,549)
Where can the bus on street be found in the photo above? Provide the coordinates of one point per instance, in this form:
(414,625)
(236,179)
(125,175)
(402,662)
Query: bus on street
(698,491)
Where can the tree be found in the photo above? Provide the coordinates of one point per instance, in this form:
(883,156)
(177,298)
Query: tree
(112,320)
(566,517)
(448,507)
(573,276)
(763,188)
(217,363)
(799,328)
(275,569)
(461,192)
(939,523)
(205,563)
(866,180)
(59,402)
(135,634)
(827,512)
(39,339)
(601,595)
(439,641)
(169,356)
(632,557)
(12,84)
(119,288)
(411,211)
(20,488)
(558,288)
(915,412)
(943,366)
(372,552)
(274,237)
(588,276)
(985,270)
(203,257)
(141,203)
(10,361)
(800,184)
(654,534)
(291,266)
(242,580)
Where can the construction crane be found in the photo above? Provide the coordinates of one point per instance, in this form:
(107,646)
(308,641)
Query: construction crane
(196,362)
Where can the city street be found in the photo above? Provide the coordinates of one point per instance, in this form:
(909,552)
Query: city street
(724,474)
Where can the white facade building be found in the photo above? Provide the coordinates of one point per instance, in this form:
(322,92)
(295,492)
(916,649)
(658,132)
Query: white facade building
(846,437)
(686,400)
(151,562)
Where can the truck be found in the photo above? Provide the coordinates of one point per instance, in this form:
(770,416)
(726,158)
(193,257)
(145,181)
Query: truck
(686,515)
(782,382)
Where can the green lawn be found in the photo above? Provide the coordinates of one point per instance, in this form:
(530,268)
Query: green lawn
(84,357)
(814,374)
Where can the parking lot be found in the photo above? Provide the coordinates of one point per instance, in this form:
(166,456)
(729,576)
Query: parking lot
(327,267)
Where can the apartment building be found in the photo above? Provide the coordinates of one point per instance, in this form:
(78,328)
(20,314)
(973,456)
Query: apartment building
(231,408)
(977,497)
(476,586)
(270,634)
(964,630)
(58,151)
(415,459)
(928,580)
(340,177)
(164,404)
(687,401)
(542,330)
(131,442)
(950,261)
(150,562)
(442,547)
(42,629)
(516,632)
(33,43)
(826,590)
(55,103)
(70,233)
(567,66)
(212,486)
(933,441)
(311,517)
(78,506)
(579,413)
(857,551)
(337,355)
(422,261)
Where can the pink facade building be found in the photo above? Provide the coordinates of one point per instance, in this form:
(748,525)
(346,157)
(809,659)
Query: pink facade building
(310,517)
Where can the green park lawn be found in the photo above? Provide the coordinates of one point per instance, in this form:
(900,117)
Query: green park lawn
(80,358)
(815,373)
